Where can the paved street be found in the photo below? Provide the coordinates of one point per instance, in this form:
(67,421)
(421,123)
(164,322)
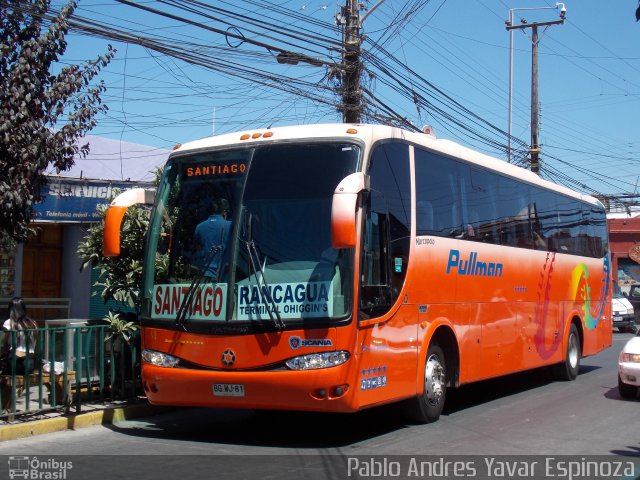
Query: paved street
(521,414)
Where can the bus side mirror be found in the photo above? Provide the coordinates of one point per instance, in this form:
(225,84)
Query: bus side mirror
(343,209)
(115,213)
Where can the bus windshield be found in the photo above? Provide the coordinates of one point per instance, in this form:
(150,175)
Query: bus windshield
(245,235)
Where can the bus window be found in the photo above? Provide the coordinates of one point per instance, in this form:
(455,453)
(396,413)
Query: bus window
(570,223)
(375,293)
(597,232)
(508,191)
(482,206)
(543,219)
(424,216)
(388,215)
(374,271)
(437,187)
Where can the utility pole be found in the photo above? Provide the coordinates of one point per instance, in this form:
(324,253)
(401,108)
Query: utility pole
(349,17)
(351,105)
(535,113)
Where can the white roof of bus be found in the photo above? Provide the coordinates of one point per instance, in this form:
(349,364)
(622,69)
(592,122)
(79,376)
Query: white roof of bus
(373,133)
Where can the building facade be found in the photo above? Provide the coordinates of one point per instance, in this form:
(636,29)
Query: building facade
(47,269)
(624,235)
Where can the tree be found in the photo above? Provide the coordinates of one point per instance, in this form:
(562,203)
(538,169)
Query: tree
(121,277)
(42,114)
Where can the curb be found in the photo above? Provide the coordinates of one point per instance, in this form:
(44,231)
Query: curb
(105,416)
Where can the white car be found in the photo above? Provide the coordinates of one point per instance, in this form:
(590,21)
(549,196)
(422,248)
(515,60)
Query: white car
(629,368)
(623,315)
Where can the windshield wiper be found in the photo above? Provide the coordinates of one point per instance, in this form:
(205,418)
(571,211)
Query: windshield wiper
(263,286)
(256,266)
(181,316)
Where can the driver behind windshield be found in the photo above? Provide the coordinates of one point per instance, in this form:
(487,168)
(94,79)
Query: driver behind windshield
(211,241)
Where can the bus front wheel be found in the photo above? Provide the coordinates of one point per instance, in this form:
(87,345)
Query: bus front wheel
(568,368)
(426,408)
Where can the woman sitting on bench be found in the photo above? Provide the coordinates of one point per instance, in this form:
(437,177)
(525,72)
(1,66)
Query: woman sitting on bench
(25,342)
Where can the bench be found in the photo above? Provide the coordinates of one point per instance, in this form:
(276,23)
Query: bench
(6,385)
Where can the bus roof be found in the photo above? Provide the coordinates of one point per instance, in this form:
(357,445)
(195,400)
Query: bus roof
(370,134)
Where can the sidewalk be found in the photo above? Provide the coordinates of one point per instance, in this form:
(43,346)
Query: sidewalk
(98,414)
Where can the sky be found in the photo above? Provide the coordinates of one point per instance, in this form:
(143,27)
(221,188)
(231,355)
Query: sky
(589,74)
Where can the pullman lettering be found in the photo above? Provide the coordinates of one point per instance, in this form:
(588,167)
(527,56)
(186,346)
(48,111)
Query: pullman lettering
(472,266)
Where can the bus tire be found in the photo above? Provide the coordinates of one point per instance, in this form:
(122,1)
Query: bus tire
(569,367)
(426,408)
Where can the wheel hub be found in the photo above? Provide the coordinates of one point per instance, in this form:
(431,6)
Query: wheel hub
(573,351)
(434,380)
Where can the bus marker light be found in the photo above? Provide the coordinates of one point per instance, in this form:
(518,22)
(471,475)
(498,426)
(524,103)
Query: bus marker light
(256,135)
(352,131)
(246,136)
(428,130)
(267,135)
(176,146)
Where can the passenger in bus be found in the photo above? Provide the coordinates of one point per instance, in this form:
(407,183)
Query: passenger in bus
(539,241)
(471,232)
(25,343)
(211,241)
(470,228)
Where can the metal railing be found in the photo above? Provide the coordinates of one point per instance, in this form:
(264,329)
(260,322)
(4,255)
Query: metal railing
(71,366)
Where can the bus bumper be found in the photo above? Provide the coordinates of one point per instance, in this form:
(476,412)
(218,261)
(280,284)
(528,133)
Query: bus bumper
(322,390)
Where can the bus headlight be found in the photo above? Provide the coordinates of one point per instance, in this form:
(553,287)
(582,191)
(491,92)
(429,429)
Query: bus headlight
(313,361)
(159,359)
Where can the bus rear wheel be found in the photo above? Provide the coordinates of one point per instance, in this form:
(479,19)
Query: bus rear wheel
(569,367)
(426,408)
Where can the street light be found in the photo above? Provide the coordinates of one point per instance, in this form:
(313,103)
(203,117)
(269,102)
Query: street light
(511,28)
(370,12)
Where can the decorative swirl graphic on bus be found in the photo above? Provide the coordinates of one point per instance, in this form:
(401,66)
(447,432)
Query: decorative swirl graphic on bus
(582,293)
(542,310)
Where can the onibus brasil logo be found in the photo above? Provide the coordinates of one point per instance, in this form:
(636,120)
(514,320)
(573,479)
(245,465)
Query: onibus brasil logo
(32,468)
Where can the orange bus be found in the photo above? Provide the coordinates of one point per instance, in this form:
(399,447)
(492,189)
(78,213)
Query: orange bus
(339,267)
